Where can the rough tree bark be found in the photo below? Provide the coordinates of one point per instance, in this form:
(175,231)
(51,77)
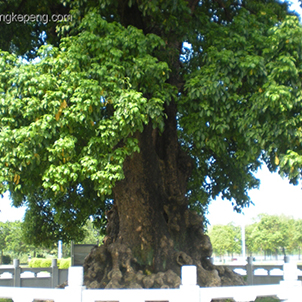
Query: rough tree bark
(151,233)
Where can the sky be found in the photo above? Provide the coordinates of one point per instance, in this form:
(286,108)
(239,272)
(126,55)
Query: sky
(9,213)
(275,197)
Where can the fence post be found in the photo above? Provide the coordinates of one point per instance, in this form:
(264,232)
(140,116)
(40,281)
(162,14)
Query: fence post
(75,284)
(72,253)
(286,259)
(55,273)
(291,287)
(290,272)
(189,287)
(17,273)
(250,271)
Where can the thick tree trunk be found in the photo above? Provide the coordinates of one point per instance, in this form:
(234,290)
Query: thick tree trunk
(151,233)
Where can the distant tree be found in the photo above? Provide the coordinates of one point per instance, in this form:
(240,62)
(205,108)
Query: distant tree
(13,240)
(15,243)
(225,239)
(4,231)
(295,242)
(271,234)
(3,234)
(249,241)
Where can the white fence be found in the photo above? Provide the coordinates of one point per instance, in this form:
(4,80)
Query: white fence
(288,290)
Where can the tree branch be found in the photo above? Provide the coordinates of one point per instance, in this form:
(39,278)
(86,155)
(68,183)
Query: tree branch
(192,5)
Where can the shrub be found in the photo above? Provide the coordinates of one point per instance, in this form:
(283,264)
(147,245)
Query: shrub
(46,263)
(35,262)
(6,259)
(64,263)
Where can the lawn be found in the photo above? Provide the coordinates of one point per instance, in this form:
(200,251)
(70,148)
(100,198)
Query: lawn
(267,299)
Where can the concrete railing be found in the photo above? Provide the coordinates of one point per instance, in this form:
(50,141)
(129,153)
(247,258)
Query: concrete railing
(45,277)
(288,290)
(261,274)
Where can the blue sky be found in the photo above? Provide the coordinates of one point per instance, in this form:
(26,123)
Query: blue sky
(275,196)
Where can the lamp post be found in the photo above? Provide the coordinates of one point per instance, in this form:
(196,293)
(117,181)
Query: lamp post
(243,241)
(60,249)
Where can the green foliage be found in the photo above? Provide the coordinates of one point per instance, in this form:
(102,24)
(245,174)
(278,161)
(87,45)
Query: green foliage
(13,240)
(38,262)
(74,133)
(14,245)
(4,231)
(243,101)
(64,263)
(6,259)
(225,239)
(296,238)
(271,234)
(69,119)
(91,233)
(28,36)
(274,234)
(46,263)
(266,299)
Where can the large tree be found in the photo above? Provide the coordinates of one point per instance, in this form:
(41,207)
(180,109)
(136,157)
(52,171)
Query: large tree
(122,121)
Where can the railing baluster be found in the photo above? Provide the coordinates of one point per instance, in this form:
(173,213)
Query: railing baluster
(54,273)
(17,272)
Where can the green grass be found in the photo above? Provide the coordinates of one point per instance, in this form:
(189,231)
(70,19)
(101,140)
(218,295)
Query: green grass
(5,300)
(267,299)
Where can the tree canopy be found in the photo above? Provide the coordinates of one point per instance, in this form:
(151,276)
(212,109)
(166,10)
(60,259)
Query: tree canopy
(136,111)
(68,120)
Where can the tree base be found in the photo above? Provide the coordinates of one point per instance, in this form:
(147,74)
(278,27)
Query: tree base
(114,267)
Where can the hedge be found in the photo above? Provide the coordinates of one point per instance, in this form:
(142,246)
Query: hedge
(38,262)
(64,263)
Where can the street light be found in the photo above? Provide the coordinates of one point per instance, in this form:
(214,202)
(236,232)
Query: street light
(243,240)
